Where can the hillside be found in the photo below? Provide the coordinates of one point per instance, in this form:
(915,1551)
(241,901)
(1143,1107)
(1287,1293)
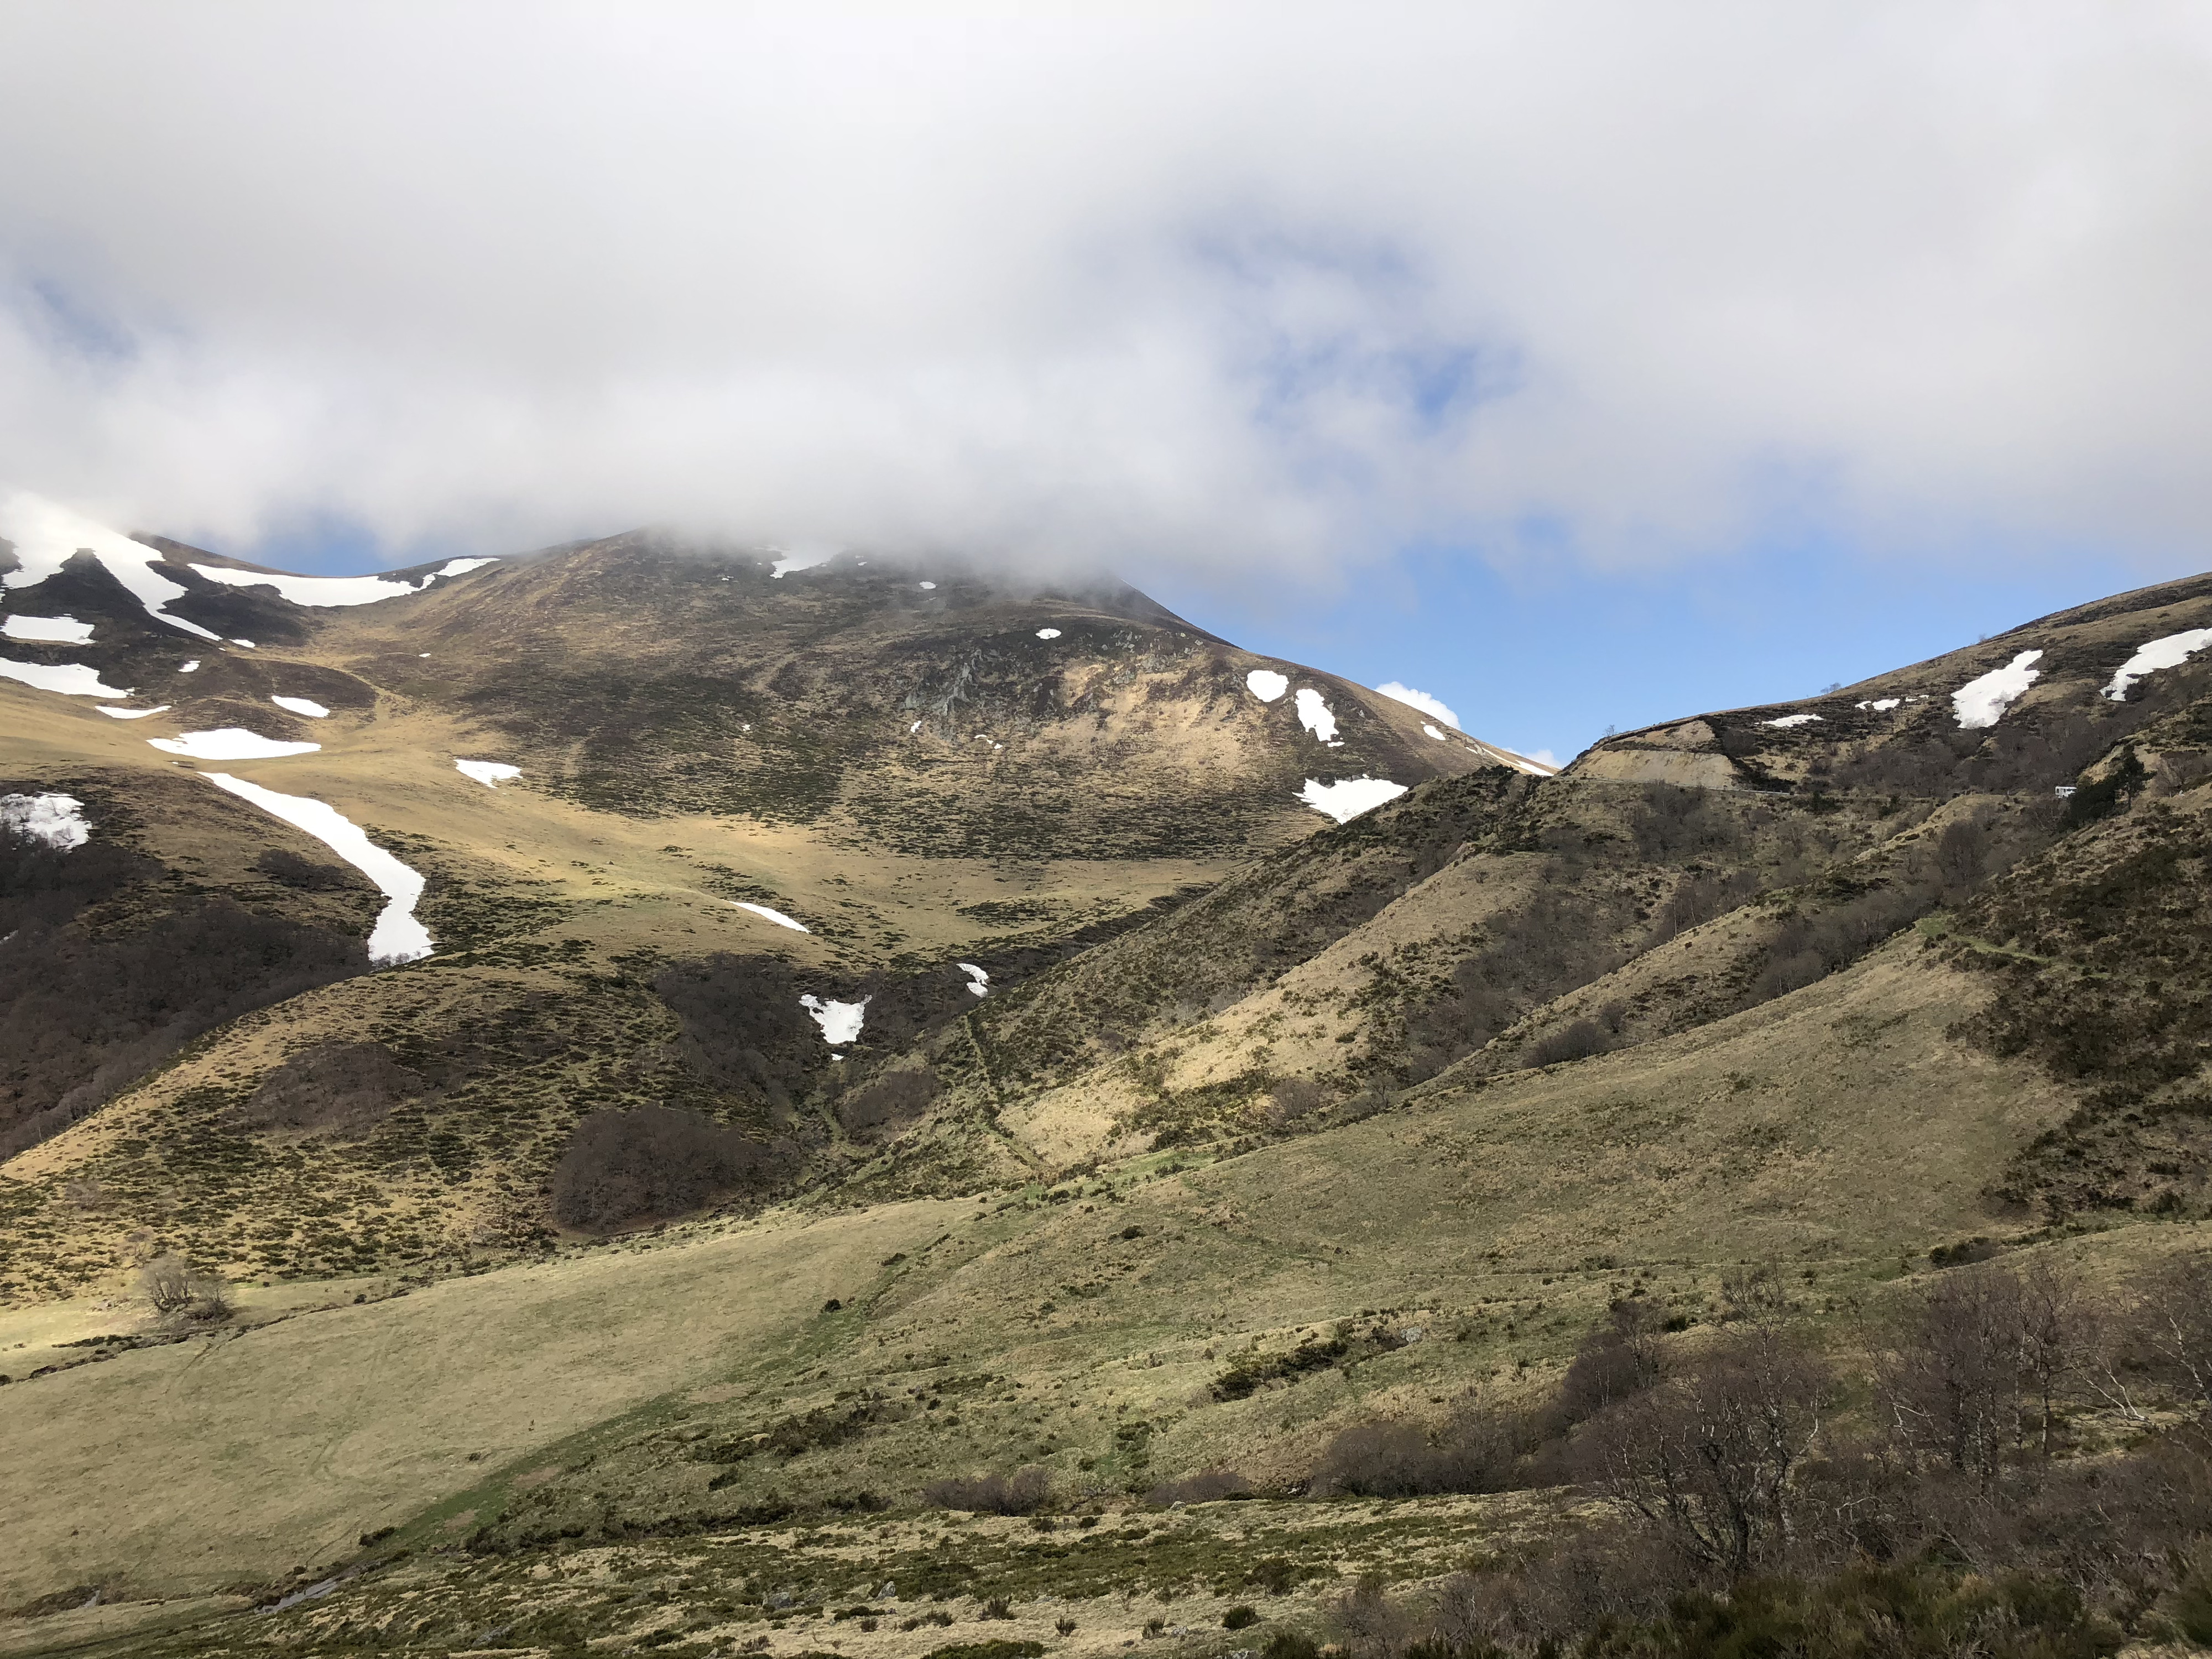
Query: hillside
(1388,1128)
(639,812)
(1666,879)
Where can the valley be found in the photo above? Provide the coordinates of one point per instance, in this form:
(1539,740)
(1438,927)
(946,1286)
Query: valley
(896,1032)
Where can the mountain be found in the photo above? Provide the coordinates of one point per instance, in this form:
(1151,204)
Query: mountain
(579,1296)
(617,815)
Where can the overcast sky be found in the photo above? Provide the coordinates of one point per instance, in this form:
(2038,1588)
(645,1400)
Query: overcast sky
(1411,329)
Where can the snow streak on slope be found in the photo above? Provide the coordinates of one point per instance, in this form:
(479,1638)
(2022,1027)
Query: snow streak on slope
(397,937)
(775,916)
(133,713)
(47,537)
(1267,685)
(490,773)
(230,743)
(326,591)
(312,710)
(2169,653)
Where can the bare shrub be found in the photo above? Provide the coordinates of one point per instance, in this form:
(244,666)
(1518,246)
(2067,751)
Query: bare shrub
(1476,1451)
(1370,1624)
(1951,1390)
(167,1283)
(1291,1099)
(1706,1456)
(1578,1040)
(1207,1486)
(178,1290)
(2177,1321)
(1620,1357)
(625,1167)
(1023,1492)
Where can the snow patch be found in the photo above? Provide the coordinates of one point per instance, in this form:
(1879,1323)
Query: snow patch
(1792,720)
(490,773)
(1433,733)
(2168,652)
(323,591)
(72,679)
(1982,702)
(132,713)
(1420,700)
(313,711)
(47,536)
(927,586)
(397,937)
(1314,715)
(54,630)
(916,728)
(788,561)
(1267,685)
(840,1021)
(978,981)
(1347,798)
(57,820)
(1880,705)
(191,667)
(248,644)
(229,743)
(1047,633)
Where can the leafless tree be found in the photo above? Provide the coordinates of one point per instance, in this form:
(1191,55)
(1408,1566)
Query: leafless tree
(2057,1337)
(1707,1455)
(1952,1389)
(2178,1318)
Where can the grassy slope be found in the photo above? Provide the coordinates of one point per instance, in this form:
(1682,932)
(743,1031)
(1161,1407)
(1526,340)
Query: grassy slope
(693,732)
(1763,1135)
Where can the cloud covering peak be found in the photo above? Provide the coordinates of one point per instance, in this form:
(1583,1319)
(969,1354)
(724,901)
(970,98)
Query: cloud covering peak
(1252,285)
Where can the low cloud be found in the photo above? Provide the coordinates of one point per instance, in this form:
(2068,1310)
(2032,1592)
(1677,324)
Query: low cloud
(1233,289)
(1420,700)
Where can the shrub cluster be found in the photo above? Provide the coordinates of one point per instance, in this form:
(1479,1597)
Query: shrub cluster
(621,1168)
(1023,1492)
(1754,1509)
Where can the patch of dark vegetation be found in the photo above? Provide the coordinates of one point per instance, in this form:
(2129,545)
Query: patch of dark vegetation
(284,867)
(800,1433)
(1023,1492)
(1346,1346)
(893,1100)
(2103,981)
(745,1033)
(87,1009)
(1205,1486)
(624,1168)
(333,1088)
